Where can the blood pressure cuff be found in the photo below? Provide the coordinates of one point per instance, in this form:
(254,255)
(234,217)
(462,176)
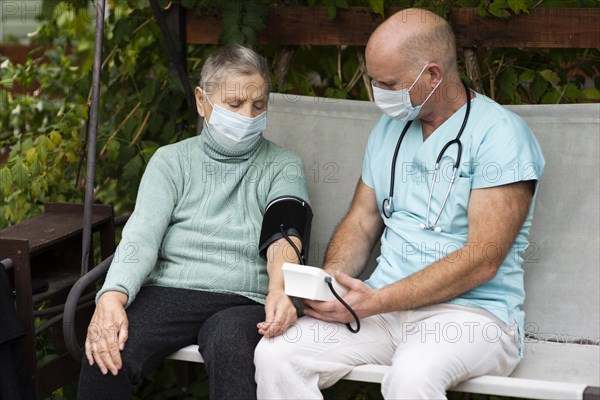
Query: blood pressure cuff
(289,214)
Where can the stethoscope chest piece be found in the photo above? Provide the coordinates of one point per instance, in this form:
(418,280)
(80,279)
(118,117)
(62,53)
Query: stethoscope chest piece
(387,206)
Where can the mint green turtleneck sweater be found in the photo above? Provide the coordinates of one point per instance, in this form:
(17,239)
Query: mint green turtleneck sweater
(198,215)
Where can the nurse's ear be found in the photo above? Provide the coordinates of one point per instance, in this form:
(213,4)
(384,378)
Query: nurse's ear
(434,74)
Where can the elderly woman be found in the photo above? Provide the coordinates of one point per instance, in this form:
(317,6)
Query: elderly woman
(200,258)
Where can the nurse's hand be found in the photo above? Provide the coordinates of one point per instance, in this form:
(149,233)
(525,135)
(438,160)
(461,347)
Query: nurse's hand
(107,333)
(280,314)
(363,300)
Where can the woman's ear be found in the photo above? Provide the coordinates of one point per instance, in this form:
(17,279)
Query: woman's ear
(199,94)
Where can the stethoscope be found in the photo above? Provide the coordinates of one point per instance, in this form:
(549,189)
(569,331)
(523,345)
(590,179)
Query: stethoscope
(387,202)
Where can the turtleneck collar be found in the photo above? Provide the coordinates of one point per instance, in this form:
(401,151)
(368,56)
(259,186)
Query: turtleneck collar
(217,152)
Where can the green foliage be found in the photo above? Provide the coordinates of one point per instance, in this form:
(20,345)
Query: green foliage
(242,20)
(43,133)
(44,129)
(513,76)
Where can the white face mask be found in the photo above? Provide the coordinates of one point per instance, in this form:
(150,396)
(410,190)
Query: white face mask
(396,103)
(234,131)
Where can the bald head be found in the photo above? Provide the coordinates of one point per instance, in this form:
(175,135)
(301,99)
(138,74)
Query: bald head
(412,38)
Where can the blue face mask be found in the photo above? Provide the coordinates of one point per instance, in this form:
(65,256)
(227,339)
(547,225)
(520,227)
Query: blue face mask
(396,103)
(234,131)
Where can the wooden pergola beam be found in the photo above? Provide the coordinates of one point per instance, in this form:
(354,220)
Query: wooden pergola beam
(542,28)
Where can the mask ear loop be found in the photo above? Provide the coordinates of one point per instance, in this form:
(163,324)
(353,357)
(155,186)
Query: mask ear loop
(209,102)
(417,78)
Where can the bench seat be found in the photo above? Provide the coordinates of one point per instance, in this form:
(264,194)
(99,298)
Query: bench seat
(549,371)
(562,274)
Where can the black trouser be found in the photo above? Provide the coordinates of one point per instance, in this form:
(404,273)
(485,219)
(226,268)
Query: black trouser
(163,320)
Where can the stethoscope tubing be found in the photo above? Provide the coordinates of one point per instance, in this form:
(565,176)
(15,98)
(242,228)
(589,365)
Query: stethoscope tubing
(387,202)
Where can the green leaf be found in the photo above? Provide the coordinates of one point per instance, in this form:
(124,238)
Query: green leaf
(149,147)
(572,92)
(122,30)
(31,155)
(508,84)
(518,5)
(538,88)
(498,9)
(526,76)
(342,4)
(130,128)
(249,35)
(549,76)
(36,189)
(42,151)
(149,91)
(19,173)
(36,168)
(133,169)
(112,149)
(331,8)
(255,16)
(6,180)
(551,98)
(71,157)
(377,6)
(27,144)
(591,93)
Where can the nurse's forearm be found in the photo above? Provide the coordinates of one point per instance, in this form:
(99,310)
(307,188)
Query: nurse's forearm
(438,283)
(353,240)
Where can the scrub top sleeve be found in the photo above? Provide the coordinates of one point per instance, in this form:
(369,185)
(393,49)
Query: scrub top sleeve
(508,153)
(367,173)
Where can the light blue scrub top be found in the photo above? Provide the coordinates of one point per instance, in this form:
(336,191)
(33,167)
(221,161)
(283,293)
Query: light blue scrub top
(498,149)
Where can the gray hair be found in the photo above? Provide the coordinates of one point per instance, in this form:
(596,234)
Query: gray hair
(230,61)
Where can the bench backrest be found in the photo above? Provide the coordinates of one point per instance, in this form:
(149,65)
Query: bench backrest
(562,269)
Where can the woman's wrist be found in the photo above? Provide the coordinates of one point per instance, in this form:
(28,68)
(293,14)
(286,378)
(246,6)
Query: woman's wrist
(114,295)
(276,290)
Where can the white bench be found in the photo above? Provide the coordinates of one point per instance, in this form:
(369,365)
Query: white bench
(562,270)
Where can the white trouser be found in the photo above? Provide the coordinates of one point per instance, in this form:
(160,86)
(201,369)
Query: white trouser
(430,349)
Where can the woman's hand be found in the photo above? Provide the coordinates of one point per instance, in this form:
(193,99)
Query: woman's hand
(280,314)
(107,332)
